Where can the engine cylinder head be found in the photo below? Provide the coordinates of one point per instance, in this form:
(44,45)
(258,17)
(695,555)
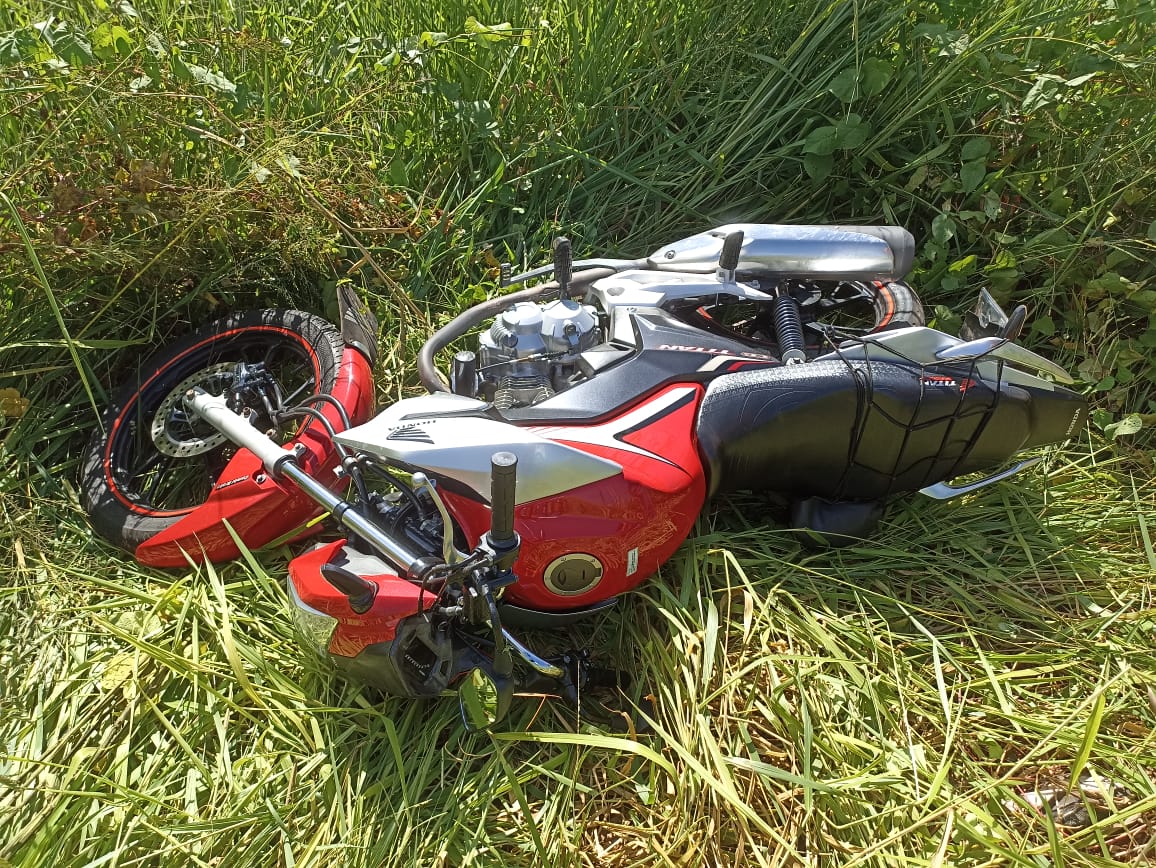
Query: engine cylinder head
(531,350)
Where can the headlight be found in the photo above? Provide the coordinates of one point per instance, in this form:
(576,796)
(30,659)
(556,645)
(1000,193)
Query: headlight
(316,627)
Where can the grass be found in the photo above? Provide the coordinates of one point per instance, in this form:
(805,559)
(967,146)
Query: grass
(902,702)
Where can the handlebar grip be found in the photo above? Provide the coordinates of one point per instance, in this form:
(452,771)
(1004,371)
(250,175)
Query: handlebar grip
(503,482)
(728,260)
(1015,322)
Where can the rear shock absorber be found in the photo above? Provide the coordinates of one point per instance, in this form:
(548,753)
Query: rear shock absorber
(789,328)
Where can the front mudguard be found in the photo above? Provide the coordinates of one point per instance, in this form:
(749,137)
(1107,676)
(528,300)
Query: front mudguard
(258,508)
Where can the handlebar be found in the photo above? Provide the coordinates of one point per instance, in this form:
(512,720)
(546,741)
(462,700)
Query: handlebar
(503,485)
(728,259)
(563,263)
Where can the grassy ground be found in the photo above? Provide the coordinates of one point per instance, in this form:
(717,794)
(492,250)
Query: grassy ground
(938,696)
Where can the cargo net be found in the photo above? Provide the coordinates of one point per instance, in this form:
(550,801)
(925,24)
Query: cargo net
(918,423)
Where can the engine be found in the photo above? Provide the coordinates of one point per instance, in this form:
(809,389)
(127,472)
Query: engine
(531,351)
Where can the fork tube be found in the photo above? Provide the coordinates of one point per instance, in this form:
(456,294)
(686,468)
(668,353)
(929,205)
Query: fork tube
(342,512)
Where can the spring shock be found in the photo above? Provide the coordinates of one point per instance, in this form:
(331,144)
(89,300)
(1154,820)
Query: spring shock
(789,329)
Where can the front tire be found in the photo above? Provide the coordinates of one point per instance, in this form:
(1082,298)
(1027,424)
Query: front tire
(149,464)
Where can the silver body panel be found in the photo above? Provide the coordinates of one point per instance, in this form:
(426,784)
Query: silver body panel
(926,346)
(637,291)
(429,432)
(816,252)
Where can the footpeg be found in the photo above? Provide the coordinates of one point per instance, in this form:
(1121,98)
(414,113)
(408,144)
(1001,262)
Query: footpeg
(943,491)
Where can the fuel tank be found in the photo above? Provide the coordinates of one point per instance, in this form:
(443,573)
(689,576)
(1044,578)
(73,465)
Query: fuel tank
(598,506)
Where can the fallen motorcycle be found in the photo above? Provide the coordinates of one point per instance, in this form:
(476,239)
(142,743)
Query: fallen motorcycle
(570,451)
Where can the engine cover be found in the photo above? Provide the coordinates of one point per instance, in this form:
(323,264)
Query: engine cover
(530,351)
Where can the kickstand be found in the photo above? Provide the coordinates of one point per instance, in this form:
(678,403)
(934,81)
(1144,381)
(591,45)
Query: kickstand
(598,693)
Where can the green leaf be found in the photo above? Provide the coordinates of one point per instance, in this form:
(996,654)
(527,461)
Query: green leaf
(874,76)
(180,69)
(430,38)
(946,320)
(818,166)
(67,43)
(991,204)
(111,42)
(486,33)
(16,45)
(971,175)
(963,266)
(974,148)
(851,133)
(844,84)
(1045,326)
(821,141)
(156,47)
(1001,260)
(1043,92)
(1002,280)
(943,228)
(291,165)
(205,76)
(1130,424)
(398,172)
(1112,283)
(1152,231)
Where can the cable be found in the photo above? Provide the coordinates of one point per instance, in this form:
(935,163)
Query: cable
(384,473)
(329,399)
(350,467)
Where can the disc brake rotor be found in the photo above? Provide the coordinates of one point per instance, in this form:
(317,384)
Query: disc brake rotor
(174,431)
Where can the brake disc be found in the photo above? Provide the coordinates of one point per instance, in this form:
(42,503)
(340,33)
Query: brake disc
(178,434)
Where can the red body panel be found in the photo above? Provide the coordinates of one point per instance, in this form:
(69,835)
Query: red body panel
(262,511)
(631,522)
(396,599)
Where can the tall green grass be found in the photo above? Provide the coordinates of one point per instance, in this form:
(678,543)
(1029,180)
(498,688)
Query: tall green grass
(896,703)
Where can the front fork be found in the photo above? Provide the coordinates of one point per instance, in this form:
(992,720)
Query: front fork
(282,463)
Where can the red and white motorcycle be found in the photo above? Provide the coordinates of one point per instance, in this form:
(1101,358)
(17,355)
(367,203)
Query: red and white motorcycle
(571,449)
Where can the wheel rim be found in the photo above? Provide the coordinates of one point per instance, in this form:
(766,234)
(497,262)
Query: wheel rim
(160,462)
(847,310)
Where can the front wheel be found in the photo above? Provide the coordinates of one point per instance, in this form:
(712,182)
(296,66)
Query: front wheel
(150,463)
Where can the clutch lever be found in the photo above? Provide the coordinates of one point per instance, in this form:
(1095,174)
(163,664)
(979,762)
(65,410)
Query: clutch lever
(450,553)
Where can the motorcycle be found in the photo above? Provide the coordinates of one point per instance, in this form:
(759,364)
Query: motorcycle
(570,451)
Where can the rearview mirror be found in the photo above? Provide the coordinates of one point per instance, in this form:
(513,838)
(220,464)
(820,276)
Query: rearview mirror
(483,700)
(987,320)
